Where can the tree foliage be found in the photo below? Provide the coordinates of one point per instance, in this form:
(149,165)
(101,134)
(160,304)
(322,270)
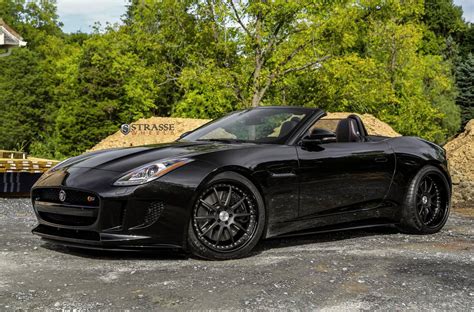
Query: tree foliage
(465,82)
(195,58)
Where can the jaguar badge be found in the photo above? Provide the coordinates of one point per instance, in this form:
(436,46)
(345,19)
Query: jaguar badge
(62,195)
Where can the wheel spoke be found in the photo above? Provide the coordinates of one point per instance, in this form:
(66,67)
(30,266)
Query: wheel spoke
(207,205)
(239,226)
(427,213)
(423,214)
(218,199)
(229,195)
(238,215)
(210,228)
(205,217)
(231,236)
(430,187)
(237,205)
(420,191)
(219,234)
(419,203)
(206,224)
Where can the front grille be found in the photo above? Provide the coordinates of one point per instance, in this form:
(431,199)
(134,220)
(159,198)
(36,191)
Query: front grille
(73,197)
(65,219)
(78,208)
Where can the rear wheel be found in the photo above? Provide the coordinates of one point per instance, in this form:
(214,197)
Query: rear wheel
(227,219)
(426,207)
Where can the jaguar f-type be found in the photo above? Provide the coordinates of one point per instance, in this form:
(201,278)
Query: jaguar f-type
(250,175)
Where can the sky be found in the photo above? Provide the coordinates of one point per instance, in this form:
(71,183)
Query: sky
(80,15)
(468,8)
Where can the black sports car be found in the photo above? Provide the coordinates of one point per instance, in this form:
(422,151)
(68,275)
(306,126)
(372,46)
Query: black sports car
(252,174)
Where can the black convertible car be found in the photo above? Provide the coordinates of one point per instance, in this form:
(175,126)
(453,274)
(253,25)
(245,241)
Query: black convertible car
(252,174)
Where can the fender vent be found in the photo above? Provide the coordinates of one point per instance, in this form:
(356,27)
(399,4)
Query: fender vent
(152,214)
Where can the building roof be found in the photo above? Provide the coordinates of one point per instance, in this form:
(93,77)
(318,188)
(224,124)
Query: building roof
(9,37)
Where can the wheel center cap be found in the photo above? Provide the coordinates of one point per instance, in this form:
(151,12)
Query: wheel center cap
(424,200)
(224,216)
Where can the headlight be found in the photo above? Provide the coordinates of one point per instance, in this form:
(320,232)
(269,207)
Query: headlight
(151,172)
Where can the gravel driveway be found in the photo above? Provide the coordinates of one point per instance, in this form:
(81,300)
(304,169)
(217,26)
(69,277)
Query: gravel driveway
(376,269)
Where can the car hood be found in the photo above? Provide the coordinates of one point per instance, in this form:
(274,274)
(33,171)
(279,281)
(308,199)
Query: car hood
(125,159)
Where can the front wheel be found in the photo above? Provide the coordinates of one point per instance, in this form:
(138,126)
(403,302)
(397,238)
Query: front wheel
(426,207)
(228,218)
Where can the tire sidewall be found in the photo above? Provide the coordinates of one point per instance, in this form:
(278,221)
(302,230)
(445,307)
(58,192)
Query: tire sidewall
(202,251)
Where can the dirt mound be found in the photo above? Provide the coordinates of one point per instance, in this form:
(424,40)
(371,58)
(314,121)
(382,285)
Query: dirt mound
(373,125)
(460,152)
(153,134)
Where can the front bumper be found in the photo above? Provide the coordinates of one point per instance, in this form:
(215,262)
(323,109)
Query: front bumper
(114,223)
(150,216)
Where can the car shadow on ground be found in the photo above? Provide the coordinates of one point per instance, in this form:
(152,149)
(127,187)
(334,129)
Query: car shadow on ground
(266,244)
(322,237)
(158,254)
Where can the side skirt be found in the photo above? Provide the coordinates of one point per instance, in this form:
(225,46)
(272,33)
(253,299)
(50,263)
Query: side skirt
(343,227)
(362,218)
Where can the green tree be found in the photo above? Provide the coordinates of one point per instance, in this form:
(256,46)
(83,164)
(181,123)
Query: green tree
(22,99)
(448,34)
(26,84)
(465,82)
(110,85)
(466,41)
(443,17)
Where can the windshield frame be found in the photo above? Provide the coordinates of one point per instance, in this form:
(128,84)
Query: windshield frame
(309,113)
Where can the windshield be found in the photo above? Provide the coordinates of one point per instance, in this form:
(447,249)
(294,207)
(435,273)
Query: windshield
(260,125)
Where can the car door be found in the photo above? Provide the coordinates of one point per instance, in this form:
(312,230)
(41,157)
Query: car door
(342,177)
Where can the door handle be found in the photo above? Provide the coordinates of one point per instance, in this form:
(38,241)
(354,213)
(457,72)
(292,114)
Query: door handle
(381,159)
(283,175)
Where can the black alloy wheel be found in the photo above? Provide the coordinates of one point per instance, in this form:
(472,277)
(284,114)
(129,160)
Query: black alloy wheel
(224,217)
(428,202)
(227,219)
(426,208)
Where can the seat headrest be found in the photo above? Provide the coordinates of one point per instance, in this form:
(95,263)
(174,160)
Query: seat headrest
(286,127)
(360,124)
(347,131)
(295,119)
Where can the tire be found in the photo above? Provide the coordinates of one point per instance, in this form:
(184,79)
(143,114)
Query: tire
(227,219)
(427,202)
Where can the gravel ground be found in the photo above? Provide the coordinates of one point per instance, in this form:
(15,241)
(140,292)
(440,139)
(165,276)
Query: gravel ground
(377,269)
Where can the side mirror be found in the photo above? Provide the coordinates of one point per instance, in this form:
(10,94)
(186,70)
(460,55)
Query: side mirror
(318,138)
